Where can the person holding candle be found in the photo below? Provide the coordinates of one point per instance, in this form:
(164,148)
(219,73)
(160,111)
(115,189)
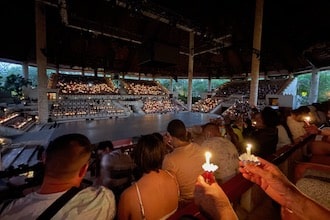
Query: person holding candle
(185,161)
(224,152)
(296,122)
(212,200)
(265,137)
(294,204)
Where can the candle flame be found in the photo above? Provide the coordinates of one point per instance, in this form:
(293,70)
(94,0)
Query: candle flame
(207,157)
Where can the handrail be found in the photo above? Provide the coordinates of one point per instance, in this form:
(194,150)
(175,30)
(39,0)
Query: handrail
(284,152)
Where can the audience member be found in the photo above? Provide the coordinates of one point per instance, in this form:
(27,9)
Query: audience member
(156,194)
(66,163)
(238,127)
(295,122)
(265,136)
(185,161)
(293,202)
(212,201)
(224,152)
(104,147)
(117,171)
(283,135)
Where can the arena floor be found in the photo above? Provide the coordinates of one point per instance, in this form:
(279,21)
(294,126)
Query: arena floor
(114,129)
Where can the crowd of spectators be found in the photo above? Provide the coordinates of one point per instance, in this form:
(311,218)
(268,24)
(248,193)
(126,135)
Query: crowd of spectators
(75,84)
(158,105)
(206,105)
(174,172)
(243,88)
(143,87)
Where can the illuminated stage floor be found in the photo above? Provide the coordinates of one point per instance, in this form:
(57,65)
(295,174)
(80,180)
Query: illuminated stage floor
(116,129)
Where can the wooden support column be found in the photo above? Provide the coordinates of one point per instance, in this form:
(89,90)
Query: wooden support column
(40,20)
(209,83)
(171,85)
(314,88)
(26,70)
(190,68)
(254,84)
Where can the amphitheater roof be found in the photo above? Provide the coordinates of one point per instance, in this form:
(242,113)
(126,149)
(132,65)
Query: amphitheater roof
(122,35)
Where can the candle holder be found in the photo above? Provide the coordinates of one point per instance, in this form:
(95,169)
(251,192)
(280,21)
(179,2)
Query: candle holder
(249,158)
(208,177)
(208,174)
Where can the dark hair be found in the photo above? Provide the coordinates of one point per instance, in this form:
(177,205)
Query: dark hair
(301,110)
(149,153)
(210,126)
(177,129)
(270,117)
(64,142)
(104,144)
(159,135)
(66,154)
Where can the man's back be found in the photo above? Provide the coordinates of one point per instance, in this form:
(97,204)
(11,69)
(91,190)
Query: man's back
(89,203)
(186,163)
(225,155)
(66,163)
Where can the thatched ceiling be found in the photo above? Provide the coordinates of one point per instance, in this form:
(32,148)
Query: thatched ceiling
(120,35)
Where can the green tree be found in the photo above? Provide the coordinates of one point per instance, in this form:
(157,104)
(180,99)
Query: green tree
(14,84)
(324,86)
(303,88)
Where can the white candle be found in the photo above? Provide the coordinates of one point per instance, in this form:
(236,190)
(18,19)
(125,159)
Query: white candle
(207,157)
(207,166)
(248,149)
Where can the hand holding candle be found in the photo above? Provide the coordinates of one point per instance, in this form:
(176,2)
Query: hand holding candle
(209,168)
(248,157)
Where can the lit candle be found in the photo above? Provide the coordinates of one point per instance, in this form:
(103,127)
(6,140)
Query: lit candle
(207,157)
(307,120)
(248,149)
(208,168)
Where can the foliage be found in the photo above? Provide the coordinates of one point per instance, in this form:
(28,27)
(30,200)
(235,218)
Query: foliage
(303,88)
(304,85)
(14,84)
(324,86)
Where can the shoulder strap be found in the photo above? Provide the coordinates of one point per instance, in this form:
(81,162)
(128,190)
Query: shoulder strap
(140,201)
(58,204)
